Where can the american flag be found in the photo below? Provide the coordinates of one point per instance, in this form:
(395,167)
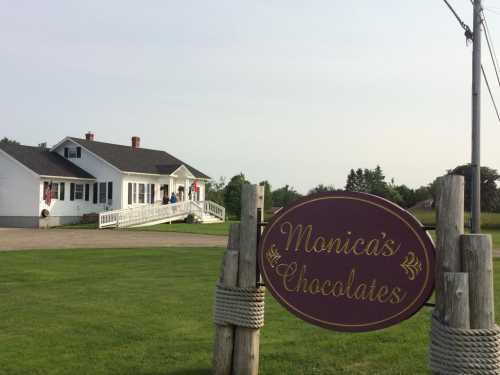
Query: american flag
(48,193)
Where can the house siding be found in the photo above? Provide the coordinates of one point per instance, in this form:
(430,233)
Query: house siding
(19,192)
(102,171)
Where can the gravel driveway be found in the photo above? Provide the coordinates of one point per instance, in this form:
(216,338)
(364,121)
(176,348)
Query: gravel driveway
(21,238)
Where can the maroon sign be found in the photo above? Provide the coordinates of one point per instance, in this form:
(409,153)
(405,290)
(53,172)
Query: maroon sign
(347,261)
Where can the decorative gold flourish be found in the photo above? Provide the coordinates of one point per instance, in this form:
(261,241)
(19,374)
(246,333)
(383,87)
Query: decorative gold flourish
(411,265)
(273,256)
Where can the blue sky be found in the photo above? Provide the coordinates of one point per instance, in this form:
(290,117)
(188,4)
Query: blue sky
(294,92)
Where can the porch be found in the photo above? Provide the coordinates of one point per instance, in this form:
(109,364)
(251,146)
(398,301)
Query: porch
(203,211)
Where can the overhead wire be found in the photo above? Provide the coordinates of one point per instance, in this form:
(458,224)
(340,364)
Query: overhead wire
(491,94)
(494,61)
(493,55)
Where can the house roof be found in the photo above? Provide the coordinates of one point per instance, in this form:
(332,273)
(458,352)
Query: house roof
(138,160)
(43,162)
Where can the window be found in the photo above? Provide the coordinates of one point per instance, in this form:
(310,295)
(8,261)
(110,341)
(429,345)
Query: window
(61,191)
(147,197)
(134,193)
(102,192)
(78,191)
(72,153)
(141,193)
(54,189)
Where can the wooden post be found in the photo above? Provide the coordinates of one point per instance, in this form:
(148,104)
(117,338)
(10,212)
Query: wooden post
(224,334)
(449,227)
(456,300)
(246,342)
(477,261)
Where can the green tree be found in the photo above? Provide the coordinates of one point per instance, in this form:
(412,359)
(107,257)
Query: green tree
(322,189)
(284,196)
(232,195)
(356,181)
(268,196)
(8,141)
(489,194)
(214,191)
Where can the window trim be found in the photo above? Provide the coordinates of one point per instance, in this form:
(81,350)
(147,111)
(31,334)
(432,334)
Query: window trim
(102,193)
(79,191)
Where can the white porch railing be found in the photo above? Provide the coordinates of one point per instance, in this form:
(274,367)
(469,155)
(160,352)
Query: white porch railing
(214,209)
(128,217)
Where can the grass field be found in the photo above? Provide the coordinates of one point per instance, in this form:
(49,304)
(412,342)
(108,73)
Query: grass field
(149,311)
(220,229)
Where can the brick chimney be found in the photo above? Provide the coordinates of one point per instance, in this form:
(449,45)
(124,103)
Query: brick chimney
(136,142)
(89,136)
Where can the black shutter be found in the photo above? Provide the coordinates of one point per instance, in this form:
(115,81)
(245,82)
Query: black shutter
(94,195)
(152,193)
(129,193)
(87,192)
(78,152)
(66,152)
(72,192)
(45,187)
(110,190)
(62,185)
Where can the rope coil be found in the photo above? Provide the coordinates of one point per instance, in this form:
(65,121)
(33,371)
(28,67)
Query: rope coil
(464,351)
(242,307)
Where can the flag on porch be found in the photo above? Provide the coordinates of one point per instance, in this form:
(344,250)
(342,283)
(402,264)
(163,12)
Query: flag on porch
(195,186)
(48,193)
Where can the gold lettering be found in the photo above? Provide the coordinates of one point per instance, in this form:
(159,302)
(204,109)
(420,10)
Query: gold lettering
(298,232)
(360,292)
(317,247)
(382,294)
(354,246)
(372,247)
(323,292)
(314,287)
(388,248)
(286,272)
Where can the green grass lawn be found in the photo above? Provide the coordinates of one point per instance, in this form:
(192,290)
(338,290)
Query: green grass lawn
(221,229)
(149,312)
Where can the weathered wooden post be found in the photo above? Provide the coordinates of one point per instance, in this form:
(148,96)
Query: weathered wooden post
(464,336)
(449,227)
(239,302)
(477,260)
(224,333)
(456,300)
(247,340)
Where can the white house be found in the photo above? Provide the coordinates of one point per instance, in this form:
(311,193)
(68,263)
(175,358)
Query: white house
(84,176)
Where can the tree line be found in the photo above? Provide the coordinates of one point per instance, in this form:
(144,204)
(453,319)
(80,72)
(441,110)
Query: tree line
(372,181)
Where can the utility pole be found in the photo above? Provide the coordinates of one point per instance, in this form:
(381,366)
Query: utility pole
(476,121)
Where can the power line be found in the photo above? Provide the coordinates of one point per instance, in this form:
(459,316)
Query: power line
(491,94)
(491,48)
(494,61)
(467,30)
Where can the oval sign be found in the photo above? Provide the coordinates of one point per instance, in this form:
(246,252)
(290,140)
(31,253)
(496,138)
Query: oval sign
(347,261)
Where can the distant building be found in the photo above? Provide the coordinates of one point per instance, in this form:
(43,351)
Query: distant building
(41,187)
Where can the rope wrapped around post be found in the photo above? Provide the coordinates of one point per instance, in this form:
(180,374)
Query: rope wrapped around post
(243,307)
(464,351)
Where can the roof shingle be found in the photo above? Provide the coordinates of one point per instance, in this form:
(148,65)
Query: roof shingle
(138,160)
(43,162)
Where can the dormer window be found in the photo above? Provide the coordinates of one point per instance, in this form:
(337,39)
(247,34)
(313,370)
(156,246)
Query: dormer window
(72,152)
